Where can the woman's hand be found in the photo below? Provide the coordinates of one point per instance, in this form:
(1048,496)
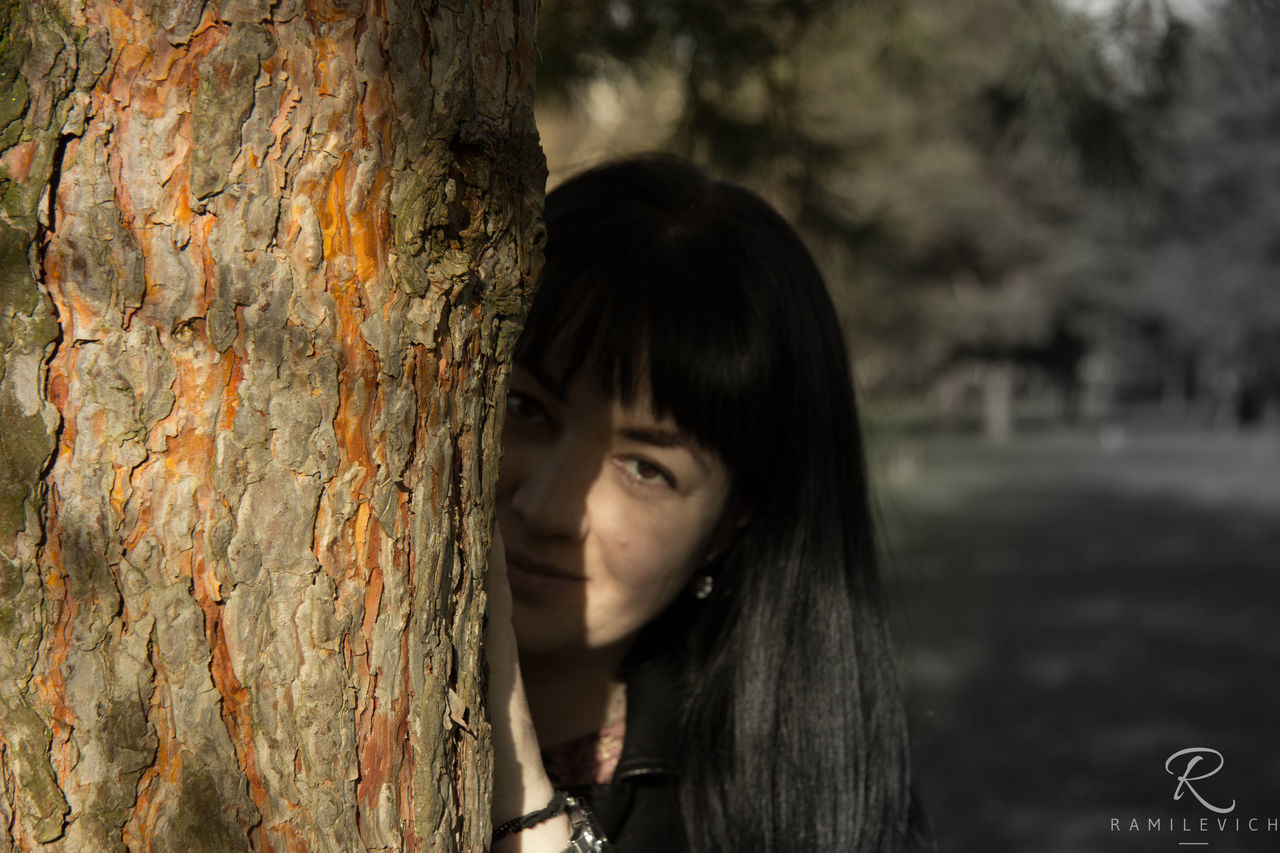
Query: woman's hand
(520,782)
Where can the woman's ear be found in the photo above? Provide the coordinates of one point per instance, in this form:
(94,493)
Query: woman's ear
(736,516)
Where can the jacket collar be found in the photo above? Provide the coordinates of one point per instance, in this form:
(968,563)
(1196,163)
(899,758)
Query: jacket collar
(653,715)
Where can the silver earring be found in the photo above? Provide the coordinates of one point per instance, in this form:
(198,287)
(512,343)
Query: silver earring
(702,586)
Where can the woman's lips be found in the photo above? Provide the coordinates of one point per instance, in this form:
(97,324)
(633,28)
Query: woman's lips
(529,577)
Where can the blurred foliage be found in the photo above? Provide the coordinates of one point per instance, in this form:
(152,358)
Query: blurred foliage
(735,58)
(1209,275)
(990,180)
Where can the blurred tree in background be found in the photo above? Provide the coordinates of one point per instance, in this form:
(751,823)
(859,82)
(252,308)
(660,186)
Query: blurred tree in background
(1209,276)
(1013,200)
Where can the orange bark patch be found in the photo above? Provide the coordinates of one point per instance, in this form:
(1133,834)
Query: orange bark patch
(51,685)
(119,495)
(157,779)
(182,214)
(358,407)
(133,58)
(200,230)
(361,550)
(197,381)
(17,162)
(235,703)
(231,375)
(411,840)
(370,233)
(179,67)
(333,213)
(381,752)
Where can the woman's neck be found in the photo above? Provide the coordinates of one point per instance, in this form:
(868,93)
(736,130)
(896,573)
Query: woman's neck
(571,696)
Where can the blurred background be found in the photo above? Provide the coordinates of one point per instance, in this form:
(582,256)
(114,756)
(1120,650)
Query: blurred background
(1052,231)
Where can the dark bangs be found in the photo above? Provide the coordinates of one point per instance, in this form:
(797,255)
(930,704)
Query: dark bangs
(647,285)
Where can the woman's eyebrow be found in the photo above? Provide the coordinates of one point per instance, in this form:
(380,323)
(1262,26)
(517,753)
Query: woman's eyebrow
(665,437)
(657,436)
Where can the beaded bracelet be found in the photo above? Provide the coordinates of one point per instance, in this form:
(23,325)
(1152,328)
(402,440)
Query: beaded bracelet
(517,824)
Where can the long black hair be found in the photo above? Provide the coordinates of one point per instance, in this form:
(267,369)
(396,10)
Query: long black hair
(793,733)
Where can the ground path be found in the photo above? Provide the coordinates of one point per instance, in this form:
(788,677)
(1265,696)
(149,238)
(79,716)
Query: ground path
(1073,610)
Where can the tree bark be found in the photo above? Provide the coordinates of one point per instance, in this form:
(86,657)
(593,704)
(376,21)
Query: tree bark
(262,266)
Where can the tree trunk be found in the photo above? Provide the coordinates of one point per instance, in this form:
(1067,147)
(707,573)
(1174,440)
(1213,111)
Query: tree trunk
(997,400)
(262,265)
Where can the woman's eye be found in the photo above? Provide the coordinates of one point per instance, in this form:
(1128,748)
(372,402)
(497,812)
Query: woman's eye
(647,472)
(525,407)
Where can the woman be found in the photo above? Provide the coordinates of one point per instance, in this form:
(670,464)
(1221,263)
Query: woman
(703,660)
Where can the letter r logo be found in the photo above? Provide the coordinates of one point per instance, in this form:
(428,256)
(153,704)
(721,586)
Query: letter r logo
(1194,755)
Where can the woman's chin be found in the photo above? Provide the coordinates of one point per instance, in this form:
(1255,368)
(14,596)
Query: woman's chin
(543,630)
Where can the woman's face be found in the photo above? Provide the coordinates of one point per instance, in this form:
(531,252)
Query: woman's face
(606,512)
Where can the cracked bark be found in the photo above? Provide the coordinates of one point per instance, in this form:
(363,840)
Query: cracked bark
(262,265)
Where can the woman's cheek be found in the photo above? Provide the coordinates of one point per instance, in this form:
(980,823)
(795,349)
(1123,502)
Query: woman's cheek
(653,561)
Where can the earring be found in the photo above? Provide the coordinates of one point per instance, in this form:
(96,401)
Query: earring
(702,586)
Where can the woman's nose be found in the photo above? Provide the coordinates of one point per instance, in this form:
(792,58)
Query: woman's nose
(550,495)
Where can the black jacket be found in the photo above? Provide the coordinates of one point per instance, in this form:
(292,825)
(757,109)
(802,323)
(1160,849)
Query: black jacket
(639,809)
